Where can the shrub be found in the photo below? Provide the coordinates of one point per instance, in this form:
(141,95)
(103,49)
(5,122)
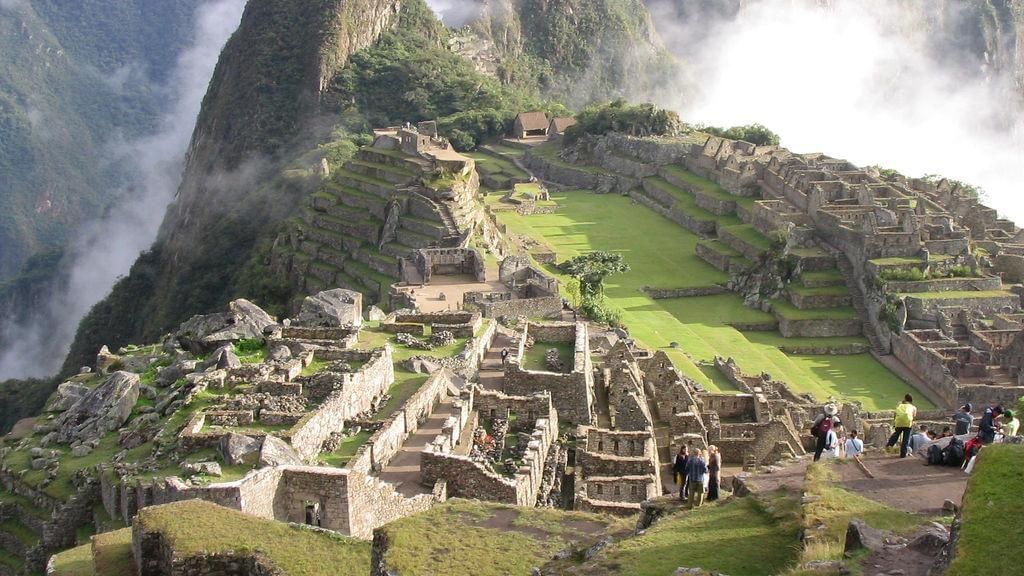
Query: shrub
(622,117)
(753,133)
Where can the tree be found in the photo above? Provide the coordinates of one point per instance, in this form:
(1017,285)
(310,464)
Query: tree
(591,269)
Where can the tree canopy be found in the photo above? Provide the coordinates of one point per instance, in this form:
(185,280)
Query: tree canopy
(622,117)
(591,269)
(753,133)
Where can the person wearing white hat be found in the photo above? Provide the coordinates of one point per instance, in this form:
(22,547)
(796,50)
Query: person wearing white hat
(823,424)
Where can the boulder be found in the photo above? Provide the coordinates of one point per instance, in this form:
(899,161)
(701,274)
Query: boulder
(860,536)
(207,468)
(279,352)
(332,308)
(243,320)
(375,314)
(170,374)
(929,539)
(101,410)
(240,449)
(141,430)
(81,450)
(105,360)
(67,395)
(277,452)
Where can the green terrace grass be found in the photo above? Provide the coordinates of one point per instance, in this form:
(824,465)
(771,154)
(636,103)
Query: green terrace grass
(960,295)
(195,527)
(721,247)
(19,531)
(896,261)
(749,235)
(833,507)
(74,562)
(992,534)
(822,291)
(739,537)
(661,253)
(11,561)
(830,276)
(549,151)
(536,356)
(486,539)
(786,310)
(340,457)
(112,552)
(708,187)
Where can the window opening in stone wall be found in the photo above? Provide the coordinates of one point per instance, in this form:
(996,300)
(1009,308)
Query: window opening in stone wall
(600,445)
(632,490)
(615,445)
(600,489)
(617,491)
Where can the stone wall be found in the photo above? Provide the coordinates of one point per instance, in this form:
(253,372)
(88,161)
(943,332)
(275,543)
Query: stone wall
(819,328)
(384,444)
(669,293)
(927,365)
(945,285)
(543,307)
(572,393)
(731,406)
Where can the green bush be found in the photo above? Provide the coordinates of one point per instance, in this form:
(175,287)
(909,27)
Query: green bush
(624,118)
(753,133)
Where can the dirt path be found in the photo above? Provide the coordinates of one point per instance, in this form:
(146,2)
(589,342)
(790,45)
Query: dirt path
(492,373)
(404,469)
(906,483)
(789,478)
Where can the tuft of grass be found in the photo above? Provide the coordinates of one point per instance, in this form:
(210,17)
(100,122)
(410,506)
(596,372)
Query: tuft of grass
(196,527)
(536,357)
(992,534)
(340,457)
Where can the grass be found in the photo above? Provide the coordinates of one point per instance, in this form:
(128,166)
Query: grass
(833,507)
(19,531)
(819,291)
(707,187)
(826,276)
(790,312)
(195,527)
(340,457)
(486,539)
(960,295)
(750,236)
(740,537)
(11,561)
(74,562)
(992,535)
(661,253)
(112,553)
(536,357)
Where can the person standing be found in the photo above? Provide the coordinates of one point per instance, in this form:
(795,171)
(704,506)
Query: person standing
(696,468)
(963,420)
(1010,425)
(831,448)
(504,356)
(987,425)
(854,446)
(679,471)
(714,472)
(903,422)
(823,424)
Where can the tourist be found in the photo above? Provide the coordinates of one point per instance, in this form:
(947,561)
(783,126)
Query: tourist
(714,472)
(822,425)
(696,468)
(831,447)
(987,425)
(679,471)
(946,432)
(963,419)
(903,422)
(504,355)
(917,441)
(1010,425)
(854,446)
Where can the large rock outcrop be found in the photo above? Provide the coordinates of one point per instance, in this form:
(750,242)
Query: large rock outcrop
(102,410)
(332,308)
(243,320)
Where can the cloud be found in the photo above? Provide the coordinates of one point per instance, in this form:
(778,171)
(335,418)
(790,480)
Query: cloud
(455,13)
(107,248)
(871,81)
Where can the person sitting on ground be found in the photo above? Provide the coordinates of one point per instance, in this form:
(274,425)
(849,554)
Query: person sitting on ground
(822,425)
(1010,425)
(903,422)
(946,432)
(987,426)
(963,419)
(696,468)
(679,471)
(854,446)
(918,440)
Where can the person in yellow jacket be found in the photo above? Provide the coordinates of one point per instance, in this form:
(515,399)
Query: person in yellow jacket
(903,422)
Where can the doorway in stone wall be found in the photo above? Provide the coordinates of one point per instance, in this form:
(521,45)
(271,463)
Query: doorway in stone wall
(313,514)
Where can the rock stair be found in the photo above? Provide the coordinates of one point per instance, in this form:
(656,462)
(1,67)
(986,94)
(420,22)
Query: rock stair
(857,298)
(450,225)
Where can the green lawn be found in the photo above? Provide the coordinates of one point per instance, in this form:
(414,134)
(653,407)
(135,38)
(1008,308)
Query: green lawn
(660,253)
(74,562)
(198,527)
(486,539)
(959,295)
(536,357)
(739,537)
(992,536)
(340,457)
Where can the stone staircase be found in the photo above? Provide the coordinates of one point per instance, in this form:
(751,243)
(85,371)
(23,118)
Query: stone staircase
(857,298)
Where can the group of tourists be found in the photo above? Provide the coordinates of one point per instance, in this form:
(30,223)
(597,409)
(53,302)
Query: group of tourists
(698,474)
(831,440)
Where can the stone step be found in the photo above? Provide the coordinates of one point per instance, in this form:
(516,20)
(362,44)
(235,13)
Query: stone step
(382,172)
(819,298)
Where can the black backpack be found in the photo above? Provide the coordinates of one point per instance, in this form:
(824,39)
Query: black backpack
(955,452)
(935,455)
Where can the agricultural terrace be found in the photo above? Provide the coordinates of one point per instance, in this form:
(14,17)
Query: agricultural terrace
(661,254)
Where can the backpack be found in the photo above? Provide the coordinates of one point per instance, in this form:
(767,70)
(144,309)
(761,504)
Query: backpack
(955,452)
(935,455)
(820,430)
